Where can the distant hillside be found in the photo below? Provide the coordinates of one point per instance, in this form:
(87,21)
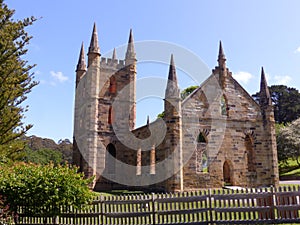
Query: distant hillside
(48,149)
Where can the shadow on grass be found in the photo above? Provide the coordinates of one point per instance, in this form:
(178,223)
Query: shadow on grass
(121,192)
(287,169)
(289,172)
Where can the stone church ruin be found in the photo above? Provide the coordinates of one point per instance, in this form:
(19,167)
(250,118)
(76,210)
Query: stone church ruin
(216,136)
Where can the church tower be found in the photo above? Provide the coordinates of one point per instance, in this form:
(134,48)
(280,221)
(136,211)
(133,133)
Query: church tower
(173,139)
(130,68)
(269,138)
(86,101)
(100,86)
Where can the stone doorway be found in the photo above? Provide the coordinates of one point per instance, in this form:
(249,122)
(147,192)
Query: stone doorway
(110,159)
(227,177)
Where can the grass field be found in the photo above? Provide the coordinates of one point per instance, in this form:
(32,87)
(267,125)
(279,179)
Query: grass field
(290,169)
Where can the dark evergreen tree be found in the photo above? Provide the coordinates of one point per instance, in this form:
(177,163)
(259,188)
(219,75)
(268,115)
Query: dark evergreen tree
(16,81)
(286,101)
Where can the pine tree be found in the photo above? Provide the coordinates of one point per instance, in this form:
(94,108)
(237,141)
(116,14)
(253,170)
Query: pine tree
(286,102)
(16,81)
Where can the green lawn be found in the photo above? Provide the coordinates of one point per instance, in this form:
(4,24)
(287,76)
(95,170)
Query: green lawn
(290,169)
(120,192)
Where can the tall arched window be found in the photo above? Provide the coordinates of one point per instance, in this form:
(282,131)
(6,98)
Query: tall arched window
(224,106)
(152,160)
(201,154)
(112,85)
(81,163)
(227,173)
(139,161)
(250,154)
(110,115)
(110,159)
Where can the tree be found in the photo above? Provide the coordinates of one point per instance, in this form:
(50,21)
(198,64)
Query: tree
(37,145)
(288,142)
(16,81)
(286,101)
(186,92)
(66,148)
(282,148)
(43,156)
(43,189)
(161,115)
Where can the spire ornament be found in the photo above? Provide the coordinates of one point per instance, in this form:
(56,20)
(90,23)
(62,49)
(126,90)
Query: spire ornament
(221,57)
(94,45)
(130,52)
(265,97)
(172,90)
(81,66)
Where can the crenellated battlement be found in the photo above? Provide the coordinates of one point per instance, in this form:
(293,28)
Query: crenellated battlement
(110,63)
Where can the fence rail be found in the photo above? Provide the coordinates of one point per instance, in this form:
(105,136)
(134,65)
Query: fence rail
(246,206)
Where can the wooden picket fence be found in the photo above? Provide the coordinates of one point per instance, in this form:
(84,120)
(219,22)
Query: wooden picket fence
(246,206)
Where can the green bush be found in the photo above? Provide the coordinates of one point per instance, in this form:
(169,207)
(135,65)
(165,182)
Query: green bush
(43,156)
(43,189)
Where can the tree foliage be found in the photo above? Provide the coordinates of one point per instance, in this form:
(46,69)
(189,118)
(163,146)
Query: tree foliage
(44,147)
(16,81)
(43,156)
(286,101)
(36,143)
(186,92)
(161,115)
(66,148)
(288,142)
(43,189)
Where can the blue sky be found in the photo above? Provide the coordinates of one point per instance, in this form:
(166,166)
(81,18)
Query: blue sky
(254,34)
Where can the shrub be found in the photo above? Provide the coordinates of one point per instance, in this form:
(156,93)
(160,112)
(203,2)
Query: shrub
(43,189)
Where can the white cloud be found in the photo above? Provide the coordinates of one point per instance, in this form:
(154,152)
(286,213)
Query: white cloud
(59,76)
(242,77)
(278,79)
(284,80)
(297,50)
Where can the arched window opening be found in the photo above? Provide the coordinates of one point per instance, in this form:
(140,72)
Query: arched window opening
(113,85)
(110,115)
(139,161)
(227,173)
(201,154)
(81,163)
(201,138)
(250,154)
(152,160)
(110,159)
(224,106)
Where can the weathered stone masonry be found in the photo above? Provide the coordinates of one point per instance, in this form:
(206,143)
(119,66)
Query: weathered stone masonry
(218,135)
